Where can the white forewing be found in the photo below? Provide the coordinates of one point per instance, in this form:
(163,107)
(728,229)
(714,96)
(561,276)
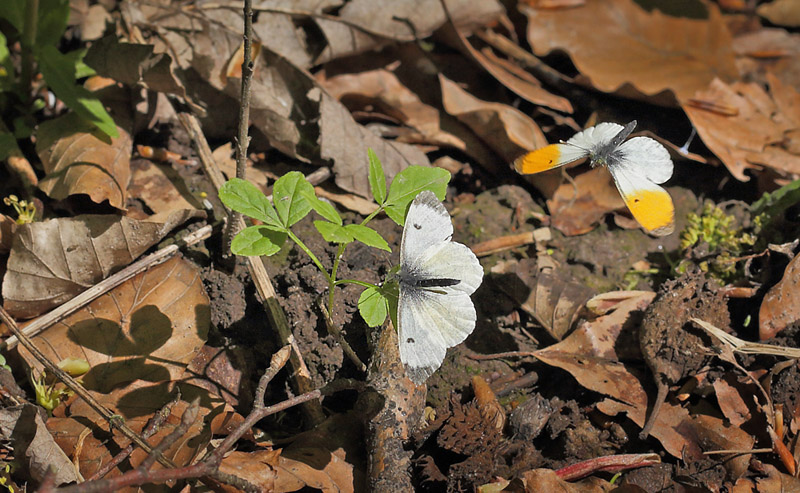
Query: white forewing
(436,317)
(645,157)
(595,136)
(427,223)
(451,260)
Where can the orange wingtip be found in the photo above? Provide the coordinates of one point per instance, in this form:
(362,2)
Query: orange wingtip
(653,209)
(543,159)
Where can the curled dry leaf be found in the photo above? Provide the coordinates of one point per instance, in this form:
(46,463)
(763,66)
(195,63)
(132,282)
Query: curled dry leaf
(762,129)
(578,206)
(148,328)
(781,12)
(510,75)
(23,425)
(288,105)
(781,305)
(548,480)
(383,90)
(508,131)
(76,159)
(52,261)
(617,43)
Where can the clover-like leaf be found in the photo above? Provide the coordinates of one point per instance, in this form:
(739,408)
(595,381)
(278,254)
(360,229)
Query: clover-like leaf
(332,232)
(322,208)
(289,195)
(367,236)
(410,182)
(377,180)
(242,196)
(373,306)
(258,240)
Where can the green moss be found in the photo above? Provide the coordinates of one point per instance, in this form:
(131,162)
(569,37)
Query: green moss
(713,241)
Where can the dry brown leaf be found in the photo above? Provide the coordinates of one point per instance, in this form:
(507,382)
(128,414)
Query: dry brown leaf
(781,12)
(148,328)
(734,397)
(83,434)
(577,209)
(259,468)
(590,355)
(288,105)
(519,81)
(24,427)
(219,370)
(554,303)
(382,90)
(349,201)
(52,261)
(756,134)
(160,188)
(77,159)
(508,131)
(615,43)
(315,468)
(8,228)
(781,305)
(537,480)
(134,65)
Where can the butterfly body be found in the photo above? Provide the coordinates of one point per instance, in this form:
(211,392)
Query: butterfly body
(637,165)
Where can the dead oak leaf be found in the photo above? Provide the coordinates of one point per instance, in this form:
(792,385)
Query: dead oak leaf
(615,43)
(52,261)
(748,127)
(508,131)
(781,305)
(77,159)
(148,328)
(577,207)
(382,91)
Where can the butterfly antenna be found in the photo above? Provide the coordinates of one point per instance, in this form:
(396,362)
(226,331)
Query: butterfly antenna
(685,148)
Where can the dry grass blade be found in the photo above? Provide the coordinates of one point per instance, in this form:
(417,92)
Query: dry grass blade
(746,347)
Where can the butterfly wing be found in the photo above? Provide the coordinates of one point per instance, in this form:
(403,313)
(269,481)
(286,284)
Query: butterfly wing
(577,147)
(427,223)
(639,165)
(432,319)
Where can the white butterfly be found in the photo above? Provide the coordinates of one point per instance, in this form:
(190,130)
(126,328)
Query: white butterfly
(437,277)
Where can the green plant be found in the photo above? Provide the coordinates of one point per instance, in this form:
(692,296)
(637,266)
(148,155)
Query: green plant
(39,26)
(26,211)
(717,240)
(294,198)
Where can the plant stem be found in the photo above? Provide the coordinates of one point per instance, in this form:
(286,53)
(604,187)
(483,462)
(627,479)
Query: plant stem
(355,281)
(28,42)
(313,257)
(332,279)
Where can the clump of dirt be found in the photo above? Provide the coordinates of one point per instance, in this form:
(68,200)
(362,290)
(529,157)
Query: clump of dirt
(671,345)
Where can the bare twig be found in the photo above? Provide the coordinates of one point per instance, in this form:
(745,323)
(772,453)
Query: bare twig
(79,301)
(334,330)
(242,140)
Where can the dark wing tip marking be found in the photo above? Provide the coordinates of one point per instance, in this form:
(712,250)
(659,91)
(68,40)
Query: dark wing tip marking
(426,197)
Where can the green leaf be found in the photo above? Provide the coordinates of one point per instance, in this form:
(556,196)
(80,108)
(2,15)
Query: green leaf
(14,12)
(289,195)
(409,183)
(8,144)
(258,240)
(6,65)
(333,233)
(776,202)
(373,306)
(59,73)
(367,236)
(53,16)
(377,180)
(242,196)
(322,208)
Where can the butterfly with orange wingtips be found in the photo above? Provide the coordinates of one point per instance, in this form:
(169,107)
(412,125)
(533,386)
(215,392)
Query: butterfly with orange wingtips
(638,166)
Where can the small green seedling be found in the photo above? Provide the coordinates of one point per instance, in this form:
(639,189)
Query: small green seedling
(293,198)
